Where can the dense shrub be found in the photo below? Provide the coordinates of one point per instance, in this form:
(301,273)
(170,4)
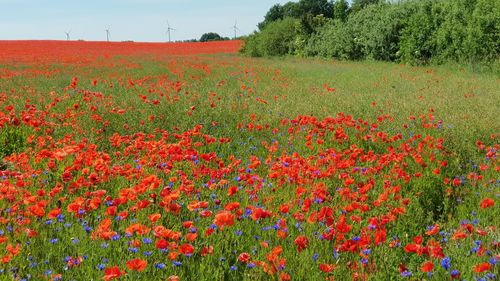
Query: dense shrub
(413,31)
(278,38)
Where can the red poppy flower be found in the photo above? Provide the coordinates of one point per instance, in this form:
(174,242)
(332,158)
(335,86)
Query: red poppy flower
(137,264)
(112,273)
(244,257)
(487,203)
(224,218)
(326,267)
(427,266)
(302,242)
(186,249)
(482,267)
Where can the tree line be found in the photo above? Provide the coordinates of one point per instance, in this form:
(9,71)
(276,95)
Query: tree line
(411,31)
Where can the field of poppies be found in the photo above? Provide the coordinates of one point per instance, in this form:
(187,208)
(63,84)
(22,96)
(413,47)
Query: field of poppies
(187,161)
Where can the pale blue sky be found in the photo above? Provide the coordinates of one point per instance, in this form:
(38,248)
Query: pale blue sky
(138,20)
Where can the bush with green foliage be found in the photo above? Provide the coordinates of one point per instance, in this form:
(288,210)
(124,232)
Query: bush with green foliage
(415,32)
(372,33)
(277,39)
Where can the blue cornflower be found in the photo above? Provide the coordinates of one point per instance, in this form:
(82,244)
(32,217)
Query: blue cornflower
(133,250)
(493,260)
(101,266)
(315,256)
(233,268)
(160,265)
(406,273)
(176,263)
(53,240)
(491,276)
(147,240)
(455,273)
(446,263)
(250,265)
(147,253)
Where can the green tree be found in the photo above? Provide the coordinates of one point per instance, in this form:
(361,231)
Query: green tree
(358,5)
(341,10)
(304,10)
(211,36)
(277,12)
(316,7)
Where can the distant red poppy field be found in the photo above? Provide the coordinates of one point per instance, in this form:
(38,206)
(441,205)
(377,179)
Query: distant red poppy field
(82,51)
(188,161)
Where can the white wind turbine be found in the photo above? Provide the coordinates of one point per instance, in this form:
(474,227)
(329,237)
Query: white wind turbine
(168,31)
(235,28)
(67,35)
(107,34)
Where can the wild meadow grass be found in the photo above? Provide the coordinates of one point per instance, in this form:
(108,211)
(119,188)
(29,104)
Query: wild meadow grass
(220,167)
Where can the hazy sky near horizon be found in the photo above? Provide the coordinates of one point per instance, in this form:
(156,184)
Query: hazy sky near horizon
(137,20)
